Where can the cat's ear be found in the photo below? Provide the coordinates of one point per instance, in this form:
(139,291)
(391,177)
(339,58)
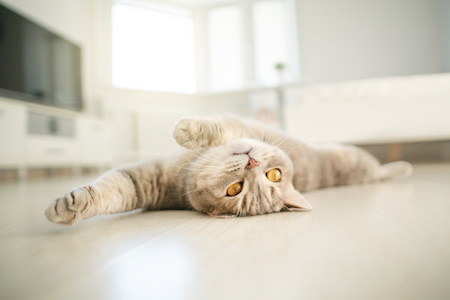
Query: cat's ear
(295,201)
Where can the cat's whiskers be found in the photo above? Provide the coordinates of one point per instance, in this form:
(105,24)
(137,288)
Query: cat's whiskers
(278,145)
(175,166)
(306,138)
(267,134)
(234,202)
(196,173)
(290,149)
(189,170)
(208,158)
(289,146)
(190,192)
(213,163)
(201,165)
(202,156)
(218,148)
(191,154)
(227,169)
(172,165)
(274,142)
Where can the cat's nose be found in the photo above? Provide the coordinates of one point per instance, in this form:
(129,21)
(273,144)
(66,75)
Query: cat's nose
(252,163)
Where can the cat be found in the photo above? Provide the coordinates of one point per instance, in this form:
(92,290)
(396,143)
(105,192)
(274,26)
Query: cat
(229,167)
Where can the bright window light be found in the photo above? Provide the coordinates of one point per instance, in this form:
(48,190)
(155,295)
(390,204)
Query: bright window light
(152,50)
(225,41)
(269,29)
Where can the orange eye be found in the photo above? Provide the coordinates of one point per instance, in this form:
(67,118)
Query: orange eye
(234,189)
(274,175)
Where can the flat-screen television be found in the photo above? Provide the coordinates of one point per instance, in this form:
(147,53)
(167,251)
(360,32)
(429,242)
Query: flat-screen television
(37,65)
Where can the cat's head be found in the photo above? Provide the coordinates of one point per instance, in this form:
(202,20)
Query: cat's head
(245,177)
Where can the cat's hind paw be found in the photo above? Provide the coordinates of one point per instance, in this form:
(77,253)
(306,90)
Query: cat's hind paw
(69,209)
(395,169)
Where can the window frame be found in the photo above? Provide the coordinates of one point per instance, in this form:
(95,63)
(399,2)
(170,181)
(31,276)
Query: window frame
(292,47)
(100,49)
(99,52)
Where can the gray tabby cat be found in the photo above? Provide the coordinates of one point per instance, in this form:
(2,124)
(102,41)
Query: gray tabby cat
(231,168)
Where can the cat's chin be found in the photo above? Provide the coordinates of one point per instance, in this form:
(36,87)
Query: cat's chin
(244,145)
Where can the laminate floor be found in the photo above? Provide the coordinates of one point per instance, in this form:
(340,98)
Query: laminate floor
(387,240)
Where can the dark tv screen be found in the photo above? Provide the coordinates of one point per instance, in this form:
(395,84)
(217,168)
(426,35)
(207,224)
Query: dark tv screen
(37,65)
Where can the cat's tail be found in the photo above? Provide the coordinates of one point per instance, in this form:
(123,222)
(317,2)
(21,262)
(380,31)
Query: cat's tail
(395,169)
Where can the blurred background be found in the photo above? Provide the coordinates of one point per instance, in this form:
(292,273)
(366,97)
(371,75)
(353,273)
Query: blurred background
(89,84)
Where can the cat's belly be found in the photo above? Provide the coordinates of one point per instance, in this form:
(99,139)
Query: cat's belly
(308,172)
(333,165)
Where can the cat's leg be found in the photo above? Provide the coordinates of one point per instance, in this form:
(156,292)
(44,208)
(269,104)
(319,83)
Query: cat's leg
(346,164)
(194,132)
(114,192)
(395,169)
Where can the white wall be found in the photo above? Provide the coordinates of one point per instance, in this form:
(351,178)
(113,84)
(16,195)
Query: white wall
(446,15)
(64,17)
(352,39)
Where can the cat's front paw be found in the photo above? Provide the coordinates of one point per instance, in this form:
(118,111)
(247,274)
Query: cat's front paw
(69,209)
(191,133)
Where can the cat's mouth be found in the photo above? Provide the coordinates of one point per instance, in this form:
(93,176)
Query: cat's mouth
(243,152)
(251,161)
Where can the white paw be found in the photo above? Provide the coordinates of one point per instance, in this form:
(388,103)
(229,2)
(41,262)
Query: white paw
(69,208)
(191,133)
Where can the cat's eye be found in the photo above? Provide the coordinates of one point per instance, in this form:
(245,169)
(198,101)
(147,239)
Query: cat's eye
(234,189)
(274,175)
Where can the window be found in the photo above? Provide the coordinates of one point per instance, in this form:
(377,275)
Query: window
(270,43)
(152,50)
(225,38)
(247,41)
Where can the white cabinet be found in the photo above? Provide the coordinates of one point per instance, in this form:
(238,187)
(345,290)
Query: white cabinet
(48,151)
(12,134)
(35,136)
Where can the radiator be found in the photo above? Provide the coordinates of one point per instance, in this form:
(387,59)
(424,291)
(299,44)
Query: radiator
(154,129)
(144,134)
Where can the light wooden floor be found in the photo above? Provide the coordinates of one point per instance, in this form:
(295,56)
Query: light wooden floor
(388,240)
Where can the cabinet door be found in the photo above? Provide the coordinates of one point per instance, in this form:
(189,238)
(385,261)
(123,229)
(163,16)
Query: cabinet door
(12,134)
(51,151)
